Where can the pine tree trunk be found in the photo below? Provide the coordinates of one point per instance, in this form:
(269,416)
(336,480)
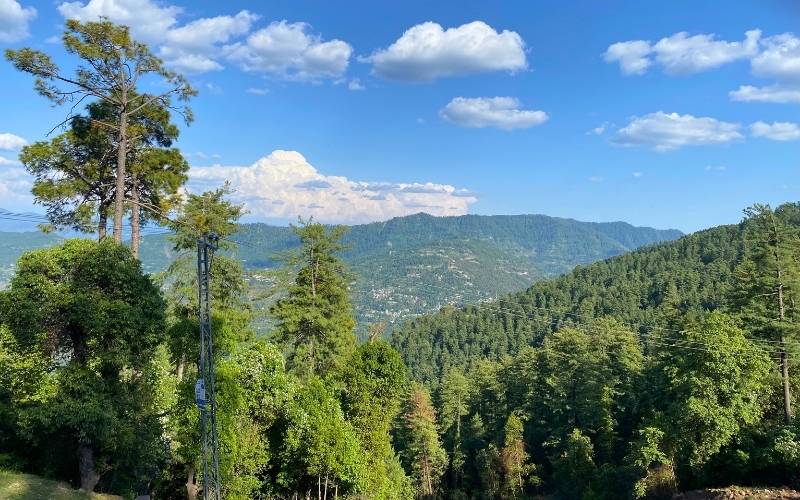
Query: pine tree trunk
(89,476)
(122,150)
(787,393)
(135,216)
(102,222)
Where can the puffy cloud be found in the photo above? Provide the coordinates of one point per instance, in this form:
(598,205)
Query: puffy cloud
(777,131)
(10,142)
(290,50)
(780,58)
(147,20)
(769,93)
(195,47)
(258,91)
(284,185)
(426,52)
(500,112)
(632,56)
(681,53)
(14,19)
(668,131)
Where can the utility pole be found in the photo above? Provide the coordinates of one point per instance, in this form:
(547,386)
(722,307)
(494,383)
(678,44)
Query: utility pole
(204,388)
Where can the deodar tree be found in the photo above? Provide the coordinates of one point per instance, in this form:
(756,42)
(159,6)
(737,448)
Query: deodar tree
(112,66)
(767,290)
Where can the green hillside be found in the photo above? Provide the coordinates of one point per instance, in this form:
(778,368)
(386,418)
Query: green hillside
(641,287)
(417,264)
(16,486)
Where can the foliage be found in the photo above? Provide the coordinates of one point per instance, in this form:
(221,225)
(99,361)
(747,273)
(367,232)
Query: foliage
(315,319)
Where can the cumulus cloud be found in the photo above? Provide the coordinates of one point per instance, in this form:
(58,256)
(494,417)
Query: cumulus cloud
(777,131)
(669,131)
(427,51)
(499,112)
(780,58)
(195,47)
(681,53)
(769,93)
(10,141)
(632,56)
(14,19)
(283,185)
(292,51)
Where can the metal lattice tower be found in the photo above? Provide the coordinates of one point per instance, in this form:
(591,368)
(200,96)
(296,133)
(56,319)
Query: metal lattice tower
(205,387)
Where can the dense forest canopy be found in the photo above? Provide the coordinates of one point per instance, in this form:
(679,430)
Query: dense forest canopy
(665,369)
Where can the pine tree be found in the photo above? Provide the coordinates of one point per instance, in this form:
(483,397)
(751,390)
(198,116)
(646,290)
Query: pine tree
(315,320)
(423,454)
(767,292)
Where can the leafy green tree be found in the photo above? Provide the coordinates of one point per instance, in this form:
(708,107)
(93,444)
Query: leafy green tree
(88,312)
(373,382)
(712,390)
(574,469)
(423,453)
(315,320)
(320,449)
(111,67)
(254,390)
(587,380)
(768,281)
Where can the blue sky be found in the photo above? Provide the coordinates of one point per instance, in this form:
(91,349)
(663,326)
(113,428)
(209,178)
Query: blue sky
(671,114)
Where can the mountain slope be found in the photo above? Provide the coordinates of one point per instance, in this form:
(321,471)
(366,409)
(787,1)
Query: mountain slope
(641,287)
(416,264)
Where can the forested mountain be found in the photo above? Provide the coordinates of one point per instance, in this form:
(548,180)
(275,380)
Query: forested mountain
(643,288)
(419,263)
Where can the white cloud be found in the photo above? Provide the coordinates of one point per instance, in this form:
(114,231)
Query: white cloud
(600,129)
(426,52)
(195,47)
(291,51)
(632,56)
(680,53)
(596,179)
(14,19)
(637,174)
(258,91)
(10,141)
(780,58)
(770,93)
(284,185)
(716,168)
(355,84)
(147,20)
(500,112)
(668,131)
(777,131)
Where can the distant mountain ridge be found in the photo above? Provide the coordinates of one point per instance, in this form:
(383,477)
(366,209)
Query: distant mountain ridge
(418,263)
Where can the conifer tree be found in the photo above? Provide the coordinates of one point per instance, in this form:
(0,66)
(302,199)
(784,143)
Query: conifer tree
(315,320)
(424,454)
(767,292)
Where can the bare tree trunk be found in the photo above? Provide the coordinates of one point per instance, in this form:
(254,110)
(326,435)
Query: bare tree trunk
(319,487)
(325,491)
(135,215)
(191,485)
(122,152)
(89,476)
